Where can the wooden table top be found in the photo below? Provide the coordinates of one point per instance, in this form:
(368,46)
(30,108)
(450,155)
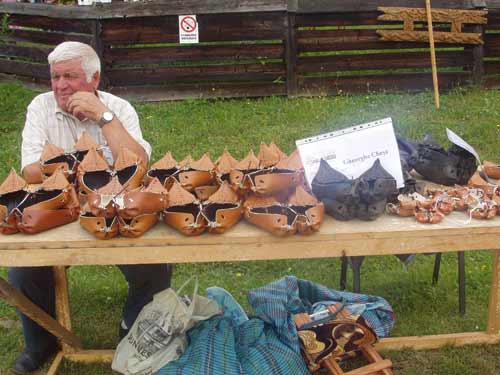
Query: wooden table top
(72,245)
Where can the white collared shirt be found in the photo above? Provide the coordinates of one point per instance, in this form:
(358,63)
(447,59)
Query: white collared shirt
(46,123)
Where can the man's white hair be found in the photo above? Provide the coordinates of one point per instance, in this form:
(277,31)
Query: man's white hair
(74,50)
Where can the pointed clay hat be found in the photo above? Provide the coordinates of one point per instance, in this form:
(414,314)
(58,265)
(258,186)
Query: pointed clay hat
(56,182)
(225,162)
(12,183)
(126,158)
(249,162)
(93,162)
(177,196)
(302,198)
(166,162)
(50,151)
(203,164)
(85,143)
(224,195)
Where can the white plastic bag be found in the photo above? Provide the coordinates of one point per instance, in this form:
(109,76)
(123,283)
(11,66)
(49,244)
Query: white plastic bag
(158,335)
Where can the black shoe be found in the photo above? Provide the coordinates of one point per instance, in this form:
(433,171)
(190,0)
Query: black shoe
(28,362)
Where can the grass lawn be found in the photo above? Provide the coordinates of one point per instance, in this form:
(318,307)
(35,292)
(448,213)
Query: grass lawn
(197,126)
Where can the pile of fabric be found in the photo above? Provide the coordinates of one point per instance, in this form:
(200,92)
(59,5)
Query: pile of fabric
(232,343)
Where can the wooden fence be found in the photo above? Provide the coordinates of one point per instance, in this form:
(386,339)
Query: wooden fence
(247,48)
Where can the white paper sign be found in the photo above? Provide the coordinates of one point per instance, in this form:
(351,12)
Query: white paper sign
(454,138)
(188,29)
(352,151)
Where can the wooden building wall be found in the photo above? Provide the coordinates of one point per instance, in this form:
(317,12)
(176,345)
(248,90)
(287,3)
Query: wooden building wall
(247,48)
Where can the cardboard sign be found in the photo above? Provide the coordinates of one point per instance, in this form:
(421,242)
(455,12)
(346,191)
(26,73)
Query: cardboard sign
(188,29)
(354,150)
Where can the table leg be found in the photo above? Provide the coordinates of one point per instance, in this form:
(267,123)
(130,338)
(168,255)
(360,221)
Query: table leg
(17,299)
(62,303)
(494,310)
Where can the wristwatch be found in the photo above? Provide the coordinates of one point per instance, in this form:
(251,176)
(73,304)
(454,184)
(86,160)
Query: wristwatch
(106,117)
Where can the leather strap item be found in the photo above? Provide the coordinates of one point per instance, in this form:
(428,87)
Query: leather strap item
(278,220)
(189,224)
(138,225)
(38,220)
(8,225)
(191,179)
(492,170)
(100,227)
(272,181)
(221,217)
(140,202)
(204,192)
(311,220)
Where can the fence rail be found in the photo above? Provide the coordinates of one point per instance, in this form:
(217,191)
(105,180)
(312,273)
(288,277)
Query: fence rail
(248,48)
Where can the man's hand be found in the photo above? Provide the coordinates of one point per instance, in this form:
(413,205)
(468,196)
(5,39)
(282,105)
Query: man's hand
(84,104)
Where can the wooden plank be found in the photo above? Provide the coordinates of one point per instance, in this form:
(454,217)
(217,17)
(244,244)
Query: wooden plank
(137,9)
(71,245)
(47,37)
(92,356)
(437,341)
(291,57)
(383,61)
(199,91)
(492,82)
(28,52)
(438,15)
(492,67)
(392,343)
(212,28)
(50,24)
(343,40)
(386,83)
(40,71)
(321,6)
(493,20)
(238,72)
(192,53)
(63,313)
(478,57)
(337,19)
(55,364)
(17,299)
(492,45)
(494,307)
(492,51)
(421,36)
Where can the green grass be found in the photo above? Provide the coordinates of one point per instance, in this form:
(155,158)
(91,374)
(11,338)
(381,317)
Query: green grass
(198,126)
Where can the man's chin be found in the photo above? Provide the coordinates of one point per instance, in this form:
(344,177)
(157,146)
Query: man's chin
(63,103)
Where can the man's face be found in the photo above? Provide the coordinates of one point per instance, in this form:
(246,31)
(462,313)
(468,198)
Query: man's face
(68,77)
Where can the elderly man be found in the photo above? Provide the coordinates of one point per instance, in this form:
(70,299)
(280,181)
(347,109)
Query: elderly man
(59,117)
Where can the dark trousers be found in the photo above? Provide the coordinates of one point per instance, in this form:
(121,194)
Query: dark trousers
(37,283)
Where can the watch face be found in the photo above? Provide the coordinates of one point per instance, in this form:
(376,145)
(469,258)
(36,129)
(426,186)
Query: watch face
(107,116)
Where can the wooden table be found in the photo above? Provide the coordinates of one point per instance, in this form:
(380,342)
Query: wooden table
(71,245)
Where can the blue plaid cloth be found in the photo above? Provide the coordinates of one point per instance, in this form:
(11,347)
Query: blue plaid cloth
(276,302)
(232,344)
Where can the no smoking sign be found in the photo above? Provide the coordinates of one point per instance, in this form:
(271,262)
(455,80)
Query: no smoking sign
(188,29)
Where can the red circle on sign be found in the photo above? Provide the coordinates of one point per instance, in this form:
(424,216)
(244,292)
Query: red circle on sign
(188,24)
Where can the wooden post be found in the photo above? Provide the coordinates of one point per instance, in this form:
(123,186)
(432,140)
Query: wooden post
(99,48)
(62,302)
(291,53)
(433,53)
(494,310)
(478,55)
